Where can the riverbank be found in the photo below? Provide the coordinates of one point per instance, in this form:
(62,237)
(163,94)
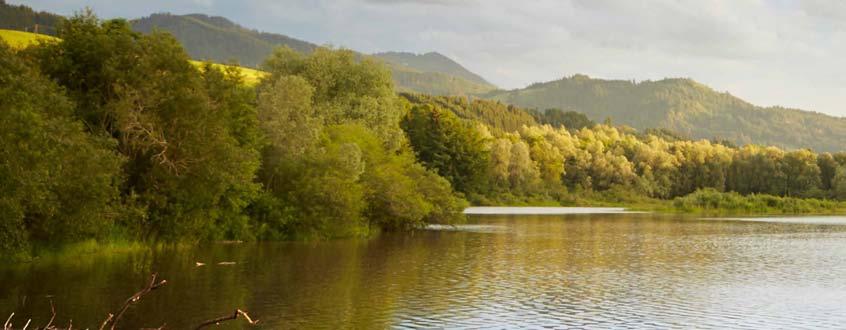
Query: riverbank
(701,202)
(707,202)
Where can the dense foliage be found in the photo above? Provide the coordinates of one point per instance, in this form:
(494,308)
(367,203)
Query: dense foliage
(559,118)
(57,182)
(497,116)
(686,107)
(109,133)
(542,162)
(336,163)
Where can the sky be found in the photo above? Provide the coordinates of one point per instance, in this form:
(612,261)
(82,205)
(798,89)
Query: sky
(789,53)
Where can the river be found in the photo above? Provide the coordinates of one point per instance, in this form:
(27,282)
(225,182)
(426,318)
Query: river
(499,270)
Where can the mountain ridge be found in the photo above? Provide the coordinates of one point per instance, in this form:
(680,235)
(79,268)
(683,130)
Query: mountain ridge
(432,62)
(221,40)
(683,105)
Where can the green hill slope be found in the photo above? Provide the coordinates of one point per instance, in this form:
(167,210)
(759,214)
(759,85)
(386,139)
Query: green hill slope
(432,62)
(218,39)
(684,106)
(500,117)
(23,18)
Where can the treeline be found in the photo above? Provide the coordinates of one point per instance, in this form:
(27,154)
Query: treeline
(23,18)
(547,163)
(686,107)
(112,134)
(496,115)
(218,39)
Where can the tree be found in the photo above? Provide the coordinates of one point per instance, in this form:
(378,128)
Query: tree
(828,168)
(570,120)
(838,183)
(801,172)
(347,90)
(57,183)
(190,163)
(455,149)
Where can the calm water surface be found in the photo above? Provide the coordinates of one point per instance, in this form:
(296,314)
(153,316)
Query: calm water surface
(498,271)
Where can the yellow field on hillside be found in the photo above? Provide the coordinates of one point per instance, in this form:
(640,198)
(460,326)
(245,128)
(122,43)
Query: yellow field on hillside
(251,76)
(20,39)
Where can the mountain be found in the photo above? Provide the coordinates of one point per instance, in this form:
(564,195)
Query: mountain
(219,39)
(431,62)
(686,107)
(23,18)
(433,73)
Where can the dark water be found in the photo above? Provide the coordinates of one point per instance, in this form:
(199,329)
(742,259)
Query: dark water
(562,271)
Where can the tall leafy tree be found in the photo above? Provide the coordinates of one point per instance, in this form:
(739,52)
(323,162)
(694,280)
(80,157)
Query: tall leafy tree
(456,149)
(190,164)
(57,182)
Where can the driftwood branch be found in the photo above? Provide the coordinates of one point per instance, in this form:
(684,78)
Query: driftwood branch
(113,320)
(106,321)
(233,316)
(52,310)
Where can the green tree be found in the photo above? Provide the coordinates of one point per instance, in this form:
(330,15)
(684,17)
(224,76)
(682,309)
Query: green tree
(801,172)
(828,168)
(347,90)
(190,158)
(454,148)
(57,183)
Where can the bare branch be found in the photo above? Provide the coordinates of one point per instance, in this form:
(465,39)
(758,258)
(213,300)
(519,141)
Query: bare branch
(228,318)
(52,310)
(106,321)
(247,316)
(134,299)
(7,325)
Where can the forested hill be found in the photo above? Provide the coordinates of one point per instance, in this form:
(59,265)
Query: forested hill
(432,62)
(219,39)
(23,18)
(500,117)
(684,106)
(433,74)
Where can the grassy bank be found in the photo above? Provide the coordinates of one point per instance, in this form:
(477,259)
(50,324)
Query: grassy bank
(705,202)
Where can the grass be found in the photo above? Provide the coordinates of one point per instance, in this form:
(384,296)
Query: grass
(20,39)
(711,201)
(701,202)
